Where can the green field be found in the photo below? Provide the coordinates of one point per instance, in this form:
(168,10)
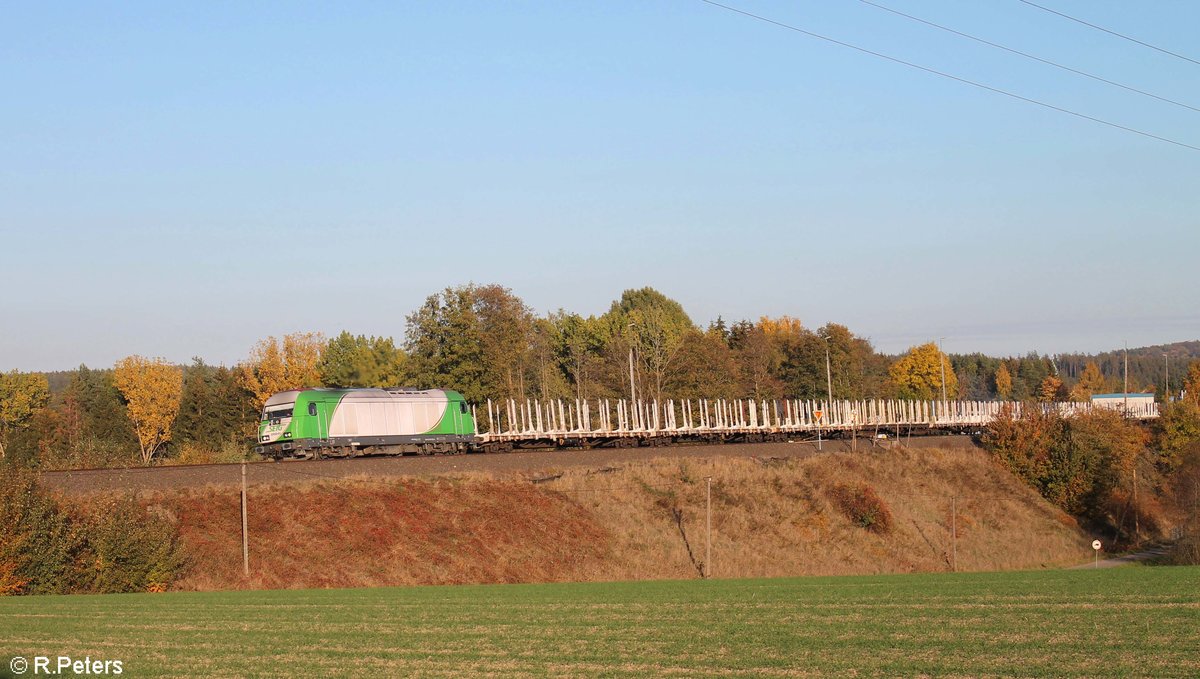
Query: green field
(1141,621)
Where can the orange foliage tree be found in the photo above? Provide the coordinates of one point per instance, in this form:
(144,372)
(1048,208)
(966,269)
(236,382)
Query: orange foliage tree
(1051,390)
(153,390)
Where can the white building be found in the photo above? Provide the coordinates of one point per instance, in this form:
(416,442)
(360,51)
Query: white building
(1120,401)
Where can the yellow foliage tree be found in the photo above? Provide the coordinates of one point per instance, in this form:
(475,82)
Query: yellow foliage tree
(1004,385)
(153,390)
(21,395)
(1090,382)
(276,366)
(1191,383)
(918,374)
(778,329)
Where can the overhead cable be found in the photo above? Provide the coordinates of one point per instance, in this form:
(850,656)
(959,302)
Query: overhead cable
(950,76)
(1030,56)
(1101,28)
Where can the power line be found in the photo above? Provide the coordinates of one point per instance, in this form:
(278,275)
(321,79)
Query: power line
(1101,28)
(950,76)
(1029,56)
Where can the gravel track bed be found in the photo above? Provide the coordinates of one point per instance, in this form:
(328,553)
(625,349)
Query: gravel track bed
(533,463)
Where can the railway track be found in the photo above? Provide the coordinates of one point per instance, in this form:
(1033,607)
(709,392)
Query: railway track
(176,477)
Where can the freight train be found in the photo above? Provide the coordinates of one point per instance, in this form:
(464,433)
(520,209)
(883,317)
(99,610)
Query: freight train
(308,423)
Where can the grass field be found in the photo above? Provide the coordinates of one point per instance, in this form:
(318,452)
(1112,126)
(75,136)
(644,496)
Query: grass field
(1138,621)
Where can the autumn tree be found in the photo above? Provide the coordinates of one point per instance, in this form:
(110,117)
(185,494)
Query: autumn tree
(1004,383)
(21,395)
(1191,383)
(1090,382)
(705,367)
(855,370)
(918,374)
(360,361)
(507,338)
(1084,463)
(653,326)
(578,344)
(152,389)
(758,357)
(276,366)
(1176,430)
(1051,389)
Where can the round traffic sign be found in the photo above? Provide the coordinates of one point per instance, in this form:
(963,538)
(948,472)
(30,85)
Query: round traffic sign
(1096,545)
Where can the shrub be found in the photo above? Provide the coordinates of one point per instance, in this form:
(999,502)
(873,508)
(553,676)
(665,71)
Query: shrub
(860,504)
(46,548)
(1086,464)
(1186,492)
(129,549)
(37,541)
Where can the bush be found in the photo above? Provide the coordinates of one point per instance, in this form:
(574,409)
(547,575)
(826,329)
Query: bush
(37,542)
(862,506)
(129,549)
(1086,464)
(46,548)
(1186,491)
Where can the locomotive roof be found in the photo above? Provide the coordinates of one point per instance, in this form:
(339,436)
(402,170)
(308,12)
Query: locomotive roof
(355,394)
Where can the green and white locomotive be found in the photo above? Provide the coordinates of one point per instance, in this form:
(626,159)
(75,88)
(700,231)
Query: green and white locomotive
(349,422)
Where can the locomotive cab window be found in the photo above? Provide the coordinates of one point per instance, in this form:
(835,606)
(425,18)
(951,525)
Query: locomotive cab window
(312,408)
(462,407)
(277,414)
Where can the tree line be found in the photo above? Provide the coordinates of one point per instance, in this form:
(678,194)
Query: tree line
(486,342)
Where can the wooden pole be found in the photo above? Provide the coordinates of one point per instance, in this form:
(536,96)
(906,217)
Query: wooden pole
(708,530)
(954,533)
(245,534)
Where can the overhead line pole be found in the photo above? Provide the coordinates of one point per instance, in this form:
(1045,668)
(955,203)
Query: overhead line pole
(708,530)
(245,534)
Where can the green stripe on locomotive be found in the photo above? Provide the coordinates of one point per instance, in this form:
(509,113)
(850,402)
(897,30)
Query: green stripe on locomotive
(324,414)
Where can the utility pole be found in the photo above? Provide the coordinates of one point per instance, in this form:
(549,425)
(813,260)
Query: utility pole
(954,533)
(1125,389)
(632,383)
(708,530)
(942,365)
(245,535)
(1167,380)
(828,377)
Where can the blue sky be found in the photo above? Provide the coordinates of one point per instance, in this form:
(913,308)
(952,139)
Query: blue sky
(181,180)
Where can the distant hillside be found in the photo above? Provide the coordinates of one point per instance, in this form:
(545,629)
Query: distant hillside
(770,517)
(1148,366)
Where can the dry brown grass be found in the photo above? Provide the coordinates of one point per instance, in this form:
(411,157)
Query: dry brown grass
(773,517)
(645,520)
(356,534)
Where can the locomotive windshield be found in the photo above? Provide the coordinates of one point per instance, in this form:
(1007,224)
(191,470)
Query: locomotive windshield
(277,413)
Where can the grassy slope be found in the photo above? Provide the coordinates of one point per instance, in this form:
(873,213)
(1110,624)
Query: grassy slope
(644,521)
(1117,622)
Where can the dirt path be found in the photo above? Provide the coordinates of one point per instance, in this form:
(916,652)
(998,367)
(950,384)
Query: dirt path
(526,462)
(1126,559)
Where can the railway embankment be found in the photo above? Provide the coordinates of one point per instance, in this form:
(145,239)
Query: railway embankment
(876,511)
